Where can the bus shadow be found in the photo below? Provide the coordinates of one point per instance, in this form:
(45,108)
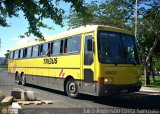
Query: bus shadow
(46,89)
(130,101)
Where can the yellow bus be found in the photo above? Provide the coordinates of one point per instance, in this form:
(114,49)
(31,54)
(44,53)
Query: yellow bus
(96,59)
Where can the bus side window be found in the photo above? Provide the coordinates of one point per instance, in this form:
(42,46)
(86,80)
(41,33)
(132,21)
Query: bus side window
(11,55)
(65,45)
(35,51)
(21,54)
(16,54)
(29,50)
(40,49)
(55,47)
(61,47)
(74,44)
(25,53)
(43,49)
(49,50)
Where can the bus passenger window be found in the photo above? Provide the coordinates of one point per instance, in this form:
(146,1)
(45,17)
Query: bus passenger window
(66,46)
(25,53)
(11,55)
(69,45)
(21,54)
(61,48)
(76,41)
(72,44)
(43,49)
(29,50)
(35,51)
(55,48)
(49,50)
(16,54)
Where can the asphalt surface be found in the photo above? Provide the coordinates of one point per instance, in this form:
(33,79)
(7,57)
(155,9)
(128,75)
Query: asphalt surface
(130,101)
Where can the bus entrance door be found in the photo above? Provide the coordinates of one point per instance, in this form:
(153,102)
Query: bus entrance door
(88,66)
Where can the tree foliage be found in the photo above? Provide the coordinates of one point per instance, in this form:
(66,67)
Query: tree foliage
(35,11)
(149,34)
(119,13)
(7,54)
(156,64)
(149,27)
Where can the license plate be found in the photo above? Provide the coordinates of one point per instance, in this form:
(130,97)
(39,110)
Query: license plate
(124,91)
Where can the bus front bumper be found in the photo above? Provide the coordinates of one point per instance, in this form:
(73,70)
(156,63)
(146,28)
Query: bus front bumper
(110,89)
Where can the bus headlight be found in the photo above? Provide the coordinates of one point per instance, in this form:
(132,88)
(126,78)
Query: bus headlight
(107,80)
(104,80)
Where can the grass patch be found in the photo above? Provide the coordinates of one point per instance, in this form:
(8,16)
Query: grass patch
(155,84)
(3,67)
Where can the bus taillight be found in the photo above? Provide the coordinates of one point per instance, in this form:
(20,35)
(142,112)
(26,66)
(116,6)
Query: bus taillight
(100,80)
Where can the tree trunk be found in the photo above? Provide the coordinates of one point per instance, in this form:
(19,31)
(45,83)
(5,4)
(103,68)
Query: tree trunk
(151,70)
(146,74)
(147,61)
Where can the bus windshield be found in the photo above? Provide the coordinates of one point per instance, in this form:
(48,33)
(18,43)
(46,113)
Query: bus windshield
(117,48)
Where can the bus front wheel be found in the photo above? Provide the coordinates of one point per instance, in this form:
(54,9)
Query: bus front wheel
(72,88)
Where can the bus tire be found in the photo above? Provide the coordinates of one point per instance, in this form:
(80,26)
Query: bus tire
(72,88)
(23,79)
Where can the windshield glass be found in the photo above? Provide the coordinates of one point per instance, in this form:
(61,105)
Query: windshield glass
(117,48)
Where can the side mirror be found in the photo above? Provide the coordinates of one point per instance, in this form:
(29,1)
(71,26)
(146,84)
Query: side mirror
(89,45)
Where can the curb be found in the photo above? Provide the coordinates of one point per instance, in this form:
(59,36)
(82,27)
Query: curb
(149,89)
(151,92)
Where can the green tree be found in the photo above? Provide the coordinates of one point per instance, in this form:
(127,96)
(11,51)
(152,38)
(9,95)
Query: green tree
(157,64)
(35,11)
(7,54)
(149,34)
(119,13)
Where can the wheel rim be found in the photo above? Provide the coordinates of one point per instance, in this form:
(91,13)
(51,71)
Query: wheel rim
(72,88)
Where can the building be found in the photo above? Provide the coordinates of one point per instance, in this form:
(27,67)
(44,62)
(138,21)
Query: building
(3,61)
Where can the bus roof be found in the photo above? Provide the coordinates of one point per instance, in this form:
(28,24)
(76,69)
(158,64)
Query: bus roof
(82,29)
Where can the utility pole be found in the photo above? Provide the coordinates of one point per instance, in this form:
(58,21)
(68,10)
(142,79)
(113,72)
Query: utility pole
(136,16)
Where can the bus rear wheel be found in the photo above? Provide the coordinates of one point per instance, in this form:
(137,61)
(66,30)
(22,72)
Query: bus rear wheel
(72,88)
(23,80)
(17,79)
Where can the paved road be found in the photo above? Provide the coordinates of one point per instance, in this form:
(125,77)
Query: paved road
(131,101)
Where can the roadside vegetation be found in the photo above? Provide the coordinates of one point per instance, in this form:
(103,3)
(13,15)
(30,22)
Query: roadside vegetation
(155,84)
(3,67)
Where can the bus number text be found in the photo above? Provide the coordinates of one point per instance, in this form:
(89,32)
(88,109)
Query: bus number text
(50,61)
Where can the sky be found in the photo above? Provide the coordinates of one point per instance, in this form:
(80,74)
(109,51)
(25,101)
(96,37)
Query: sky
(9,35)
